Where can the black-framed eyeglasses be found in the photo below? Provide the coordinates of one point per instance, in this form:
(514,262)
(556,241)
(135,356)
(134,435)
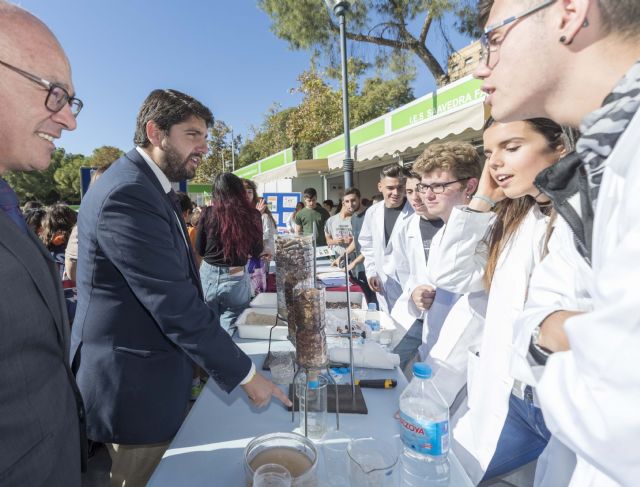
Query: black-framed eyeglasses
(436,188)
(57,97)
(489,46)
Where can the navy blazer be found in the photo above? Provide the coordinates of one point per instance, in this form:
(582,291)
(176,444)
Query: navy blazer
(141,319)
(41,414)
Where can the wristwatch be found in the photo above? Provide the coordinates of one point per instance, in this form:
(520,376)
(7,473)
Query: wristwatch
(539,353)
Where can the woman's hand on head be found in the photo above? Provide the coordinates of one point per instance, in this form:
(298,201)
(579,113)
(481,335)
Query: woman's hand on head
(488,188)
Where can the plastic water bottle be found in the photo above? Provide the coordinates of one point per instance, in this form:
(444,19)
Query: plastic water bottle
(371,318)
(424,430)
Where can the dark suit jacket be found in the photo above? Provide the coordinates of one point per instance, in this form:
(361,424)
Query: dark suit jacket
(141,319)
(40,404)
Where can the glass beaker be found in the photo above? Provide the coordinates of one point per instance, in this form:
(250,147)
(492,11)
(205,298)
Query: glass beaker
(336,459)
(272,475)
(372,462)
(313,401)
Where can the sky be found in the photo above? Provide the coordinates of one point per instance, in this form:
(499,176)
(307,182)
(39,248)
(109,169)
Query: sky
(221,52)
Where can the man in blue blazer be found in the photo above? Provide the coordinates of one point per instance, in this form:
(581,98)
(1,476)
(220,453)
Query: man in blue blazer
(141,321)
(41,413)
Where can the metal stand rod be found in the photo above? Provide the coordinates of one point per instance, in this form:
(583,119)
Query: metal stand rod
(349,326)
(335,385)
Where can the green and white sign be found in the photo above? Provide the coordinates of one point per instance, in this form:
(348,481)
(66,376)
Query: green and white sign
(266,164)
(449,98)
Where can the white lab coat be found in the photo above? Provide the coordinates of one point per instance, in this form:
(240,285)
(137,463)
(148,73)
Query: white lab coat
(454,321)
(376,253)
(460,268)
(590,394)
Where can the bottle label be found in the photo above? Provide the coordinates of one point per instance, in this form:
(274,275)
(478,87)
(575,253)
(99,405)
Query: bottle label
(428,438)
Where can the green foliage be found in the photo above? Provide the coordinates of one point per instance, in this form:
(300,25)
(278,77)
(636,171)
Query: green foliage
(37,185)
(67,178)
(103,156)
(318,117)
(390,25)
(61,180)
(220,148)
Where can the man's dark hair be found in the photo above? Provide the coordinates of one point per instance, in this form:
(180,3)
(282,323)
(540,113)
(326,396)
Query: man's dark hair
(621,16)
(484,9)
(328,202)
(185,202)
(352,190)
(394,171)
(310,193)
(167,108)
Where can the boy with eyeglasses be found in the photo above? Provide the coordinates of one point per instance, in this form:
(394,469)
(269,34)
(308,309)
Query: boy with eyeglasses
(576,62)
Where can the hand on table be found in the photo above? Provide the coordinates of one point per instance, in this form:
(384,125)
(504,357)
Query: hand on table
(423,297)
(259,390)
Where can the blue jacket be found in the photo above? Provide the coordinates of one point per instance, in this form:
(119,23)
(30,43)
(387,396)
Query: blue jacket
(141,321)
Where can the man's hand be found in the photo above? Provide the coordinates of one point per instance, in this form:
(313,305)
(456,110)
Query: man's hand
(259,390)
(423,297)
(552,334)
(375,284)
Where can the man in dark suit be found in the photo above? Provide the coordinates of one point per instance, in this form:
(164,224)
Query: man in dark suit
(40,405)
(141,321)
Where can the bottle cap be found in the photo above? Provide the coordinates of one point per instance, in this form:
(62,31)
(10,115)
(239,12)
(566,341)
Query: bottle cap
(422,370)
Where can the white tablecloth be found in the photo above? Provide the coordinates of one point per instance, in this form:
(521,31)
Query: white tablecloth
(208,448)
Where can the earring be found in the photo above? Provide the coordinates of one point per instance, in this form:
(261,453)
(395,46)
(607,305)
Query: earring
(563,39)
(585,23)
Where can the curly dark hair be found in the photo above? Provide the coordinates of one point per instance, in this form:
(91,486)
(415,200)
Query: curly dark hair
(58,220)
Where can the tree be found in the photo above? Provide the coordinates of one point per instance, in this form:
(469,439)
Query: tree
(318,117)
(219,158)
(37,185)
(387,24)
(103,156)
(67,177)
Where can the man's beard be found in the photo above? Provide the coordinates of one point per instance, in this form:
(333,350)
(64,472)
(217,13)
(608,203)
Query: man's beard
(175,167)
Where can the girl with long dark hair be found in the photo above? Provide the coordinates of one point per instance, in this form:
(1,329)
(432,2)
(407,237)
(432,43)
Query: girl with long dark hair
(229,232)
(494,244)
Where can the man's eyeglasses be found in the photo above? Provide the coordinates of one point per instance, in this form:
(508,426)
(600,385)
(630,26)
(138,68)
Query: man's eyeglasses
(488,43)
(57,97)
(436,188)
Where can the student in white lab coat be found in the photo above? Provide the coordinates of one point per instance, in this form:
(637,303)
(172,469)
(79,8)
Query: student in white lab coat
(577,63)
(414,243)
(497,251)
(449,176)
(381,222)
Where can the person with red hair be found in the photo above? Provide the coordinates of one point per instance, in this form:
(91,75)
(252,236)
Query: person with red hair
(229,232)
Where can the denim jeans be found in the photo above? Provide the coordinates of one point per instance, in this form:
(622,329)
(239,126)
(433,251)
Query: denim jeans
(524,436)
(227,295)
